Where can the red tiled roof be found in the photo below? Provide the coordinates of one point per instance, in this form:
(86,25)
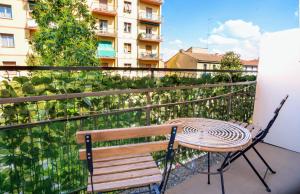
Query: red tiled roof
(205,57)
(216,58)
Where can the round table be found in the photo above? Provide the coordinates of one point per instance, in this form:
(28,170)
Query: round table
(213,136)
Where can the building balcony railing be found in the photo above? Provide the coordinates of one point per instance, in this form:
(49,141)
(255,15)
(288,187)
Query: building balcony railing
(148,56)
(106,54)
(153,2)
(149,37)
(106,32)
(31,24)
(103,9)
(149,17)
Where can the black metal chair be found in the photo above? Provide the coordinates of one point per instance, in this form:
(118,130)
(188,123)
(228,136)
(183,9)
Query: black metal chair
(259,137)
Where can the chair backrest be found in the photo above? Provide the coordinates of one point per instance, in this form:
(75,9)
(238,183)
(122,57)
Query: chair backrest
(88,137)
(263,133)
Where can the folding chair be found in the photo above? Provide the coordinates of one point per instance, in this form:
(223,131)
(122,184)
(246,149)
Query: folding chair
(258,136)
(115,168)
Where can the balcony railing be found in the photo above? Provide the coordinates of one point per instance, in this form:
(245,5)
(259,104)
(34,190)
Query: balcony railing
(107,32)
(149,17)
(104,9)
(150,37)
(153,2)
(31,24)
(37,128)
(148,56)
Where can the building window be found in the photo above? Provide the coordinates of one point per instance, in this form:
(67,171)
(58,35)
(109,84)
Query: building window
(5,11)
(127,27)
(149,13)
(9,63)
(205,66)
(103,25)
(127,7)
(7,40)
(214,67)
(9,73)
(148,30)
(127,48)
(128,65)
(148,49)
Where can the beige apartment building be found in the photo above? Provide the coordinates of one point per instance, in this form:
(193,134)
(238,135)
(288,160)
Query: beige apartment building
(128,31)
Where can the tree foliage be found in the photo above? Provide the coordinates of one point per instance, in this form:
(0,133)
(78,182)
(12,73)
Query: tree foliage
(231,61)
(65,34)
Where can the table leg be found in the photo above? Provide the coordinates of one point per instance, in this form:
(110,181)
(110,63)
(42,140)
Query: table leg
(221,170)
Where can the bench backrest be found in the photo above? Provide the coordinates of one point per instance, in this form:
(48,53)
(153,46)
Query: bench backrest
(126,133)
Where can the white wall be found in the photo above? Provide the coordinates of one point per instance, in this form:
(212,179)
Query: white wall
(279,74)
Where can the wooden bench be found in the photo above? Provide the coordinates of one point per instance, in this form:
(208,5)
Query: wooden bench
(127,166)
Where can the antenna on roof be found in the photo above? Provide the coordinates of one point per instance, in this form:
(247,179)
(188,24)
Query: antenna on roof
(208,31)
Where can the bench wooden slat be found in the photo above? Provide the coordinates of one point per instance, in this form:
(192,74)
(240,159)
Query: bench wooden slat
(244,125)
(122,161)
(126,133)
(120,157)
(140,148)
(125,184)
(124,175)
(124,168)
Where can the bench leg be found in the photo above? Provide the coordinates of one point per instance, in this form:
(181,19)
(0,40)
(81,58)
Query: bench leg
(208,167)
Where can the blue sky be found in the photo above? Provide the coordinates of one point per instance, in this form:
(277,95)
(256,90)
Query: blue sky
(224,24)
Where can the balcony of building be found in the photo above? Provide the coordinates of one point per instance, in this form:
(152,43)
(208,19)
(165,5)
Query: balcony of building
(106,32)
(148,56)
(106,50)
(146,37)
(31,24)
(152,2)
(149,18)
(104,9)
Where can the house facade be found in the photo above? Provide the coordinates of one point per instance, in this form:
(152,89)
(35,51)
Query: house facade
(199,58)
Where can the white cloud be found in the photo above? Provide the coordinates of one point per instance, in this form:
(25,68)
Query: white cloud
(176,42)
(235,35)
(296,13)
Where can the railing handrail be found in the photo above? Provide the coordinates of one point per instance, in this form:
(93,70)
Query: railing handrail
(115,92)
(99,68)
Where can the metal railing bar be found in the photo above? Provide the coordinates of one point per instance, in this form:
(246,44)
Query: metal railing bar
(113,92)
(93,68)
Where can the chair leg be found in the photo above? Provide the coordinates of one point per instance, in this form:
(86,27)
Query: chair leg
(257,174)
(208,167)
(222,181)
(264,161)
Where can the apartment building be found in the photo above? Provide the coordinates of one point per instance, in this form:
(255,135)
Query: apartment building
(128,31)
(15,31)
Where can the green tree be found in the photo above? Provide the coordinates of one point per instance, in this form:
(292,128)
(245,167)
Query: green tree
(65,35)
(231,61)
